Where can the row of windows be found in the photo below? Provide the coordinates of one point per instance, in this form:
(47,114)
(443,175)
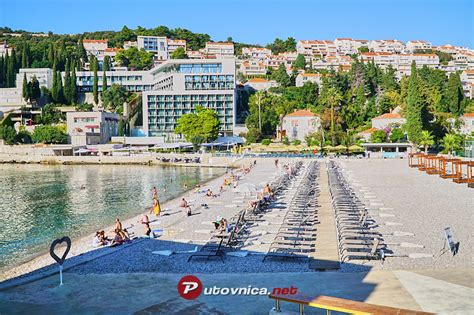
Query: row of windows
(155,131)
(84,119)
(133,88)
(190,105)
(179,112)
(154,122)
(196,97)
(209,86)
(200,68)
(111,78)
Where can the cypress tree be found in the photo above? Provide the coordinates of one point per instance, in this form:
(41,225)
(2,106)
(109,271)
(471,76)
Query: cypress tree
(55,88)
(72,83)
(24,56)
(104,83)
(35,89)
(10,71)
(25,88)
(51,54)
(454,94)
(106,63)
(81,51)
(2,70)
(67,83)
(95,87)
(415,107)
(60,89)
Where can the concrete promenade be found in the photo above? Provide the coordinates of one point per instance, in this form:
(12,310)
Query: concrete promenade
(326,256)
(447,291)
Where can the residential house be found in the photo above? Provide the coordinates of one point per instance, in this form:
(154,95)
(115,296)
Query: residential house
(298,124)
(302,78)
(88,128)
(219,49)
(96,47)
(256,52)
(386,46)
(253,67)
(414,45)
(259,84)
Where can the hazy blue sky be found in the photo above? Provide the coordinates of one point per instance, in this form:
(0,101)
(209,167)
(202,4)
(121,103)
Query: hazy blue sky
(255,21)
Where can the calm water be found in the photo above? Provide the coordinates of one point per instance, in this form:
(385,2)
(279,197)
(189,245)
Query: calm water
(40,203)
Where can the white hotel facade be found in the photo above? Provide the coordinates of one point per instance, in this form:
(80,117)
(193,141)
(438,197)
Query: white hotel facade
(174,88)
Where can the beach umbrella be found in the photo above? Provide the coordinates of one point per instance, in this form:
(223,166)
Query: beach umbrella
(328,147)
(340,147)
(356,148)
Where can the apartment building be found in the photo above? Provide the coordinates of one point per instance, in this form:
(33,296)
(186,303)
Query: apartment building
(405,61)
(467,80)
(386,46)
(157,45)
(219,50)
(253,67)
(174,44)
(179,86)
(381,59)
(89,128)
(334,62)
(414,45)
(311,48)
(256,52)
(193,54)
(134,81)
(129,44)
(96,47)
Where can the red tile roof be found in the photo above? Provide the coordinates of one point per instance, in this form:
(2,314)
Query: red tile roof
(388,116)
(370,130)
(301,113)
(470,115)
(95,41)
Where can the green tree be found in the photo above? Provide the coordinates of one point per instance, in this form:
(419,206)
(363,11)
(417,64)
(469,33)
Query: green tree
(49,134)
(134,59)
(454,94)
(416,108)
(114,97)
(7,133)
(95,85)
(104,84)
(26,89)
(333,100)
(73,87)
(179,53)
(120,127)
(450,143)
(107,62)
(50,115)
(300,62)
(85,107)
(67,83)
(262,113)
(198,127)
(396,135)
(426,140)
(378,136)
(281,76)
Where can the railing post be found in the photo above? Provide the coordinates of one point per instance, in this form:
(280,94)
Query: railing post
(277,305)
(301,309)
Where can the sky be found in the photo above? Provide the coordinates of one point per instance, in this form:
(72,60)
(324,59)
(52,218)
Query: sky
(255,21)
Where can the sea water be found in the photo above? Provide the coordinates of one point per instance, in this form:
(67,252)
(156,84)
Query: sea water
(39,203)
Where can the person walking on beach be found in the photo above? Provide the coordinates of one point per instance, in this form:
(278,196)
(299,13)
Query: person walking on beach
(156,209)
(154,193)
(145,219)
(276,163)
(185,205)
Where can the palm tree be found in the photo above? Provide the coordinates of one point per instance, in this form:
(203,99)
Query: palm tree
(426,140)
(450,143)
(333,98)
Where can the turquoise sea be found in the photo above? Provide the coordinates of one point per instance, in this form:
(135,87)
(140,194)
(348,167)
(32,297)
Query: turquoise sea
(39,203)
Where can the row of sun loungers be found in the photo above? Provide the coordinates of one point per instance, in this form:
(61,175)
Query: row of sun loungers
(357,231)
(177,160)
(221,242)
(296,236)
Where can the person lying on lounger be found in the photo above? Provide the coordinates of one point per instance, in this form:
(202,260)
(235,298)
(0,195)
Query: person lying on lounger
(185,205)
(118,240)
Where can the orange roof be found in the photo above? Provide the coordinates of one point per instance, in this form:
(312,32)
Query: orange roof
(311,74)
(258,80)
(469,71)
(219,43)
(95,41)
(111,49)
(370,130)
(470,115)
(388,116)
(301,113)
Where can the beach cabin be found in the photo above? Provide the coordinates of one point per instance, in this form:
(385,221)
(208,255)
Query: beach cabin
(386,150)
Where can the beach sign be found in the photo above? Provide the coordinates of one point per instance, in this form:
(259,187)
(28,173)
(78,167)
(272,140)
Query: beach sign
(453,246)
(60,260)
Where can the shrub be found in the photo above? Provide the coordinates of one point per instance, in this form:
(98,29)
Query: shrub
(266,141)
(297,142)
(286,141)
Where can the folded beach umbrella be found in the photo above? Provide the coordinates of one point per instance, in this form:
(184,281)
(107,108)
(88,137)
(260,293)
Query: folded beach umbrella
(356,148)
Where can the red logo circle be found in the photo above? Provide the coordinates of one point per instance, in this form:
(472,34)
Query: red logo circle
(189,287)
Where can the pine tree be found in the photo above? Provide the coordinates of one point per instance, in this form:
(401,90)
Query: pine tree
(281,76)
(95,86)
(72,87)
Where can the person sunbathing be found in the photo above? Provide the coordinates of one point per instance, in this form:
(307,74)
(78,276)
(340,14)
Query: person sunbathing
(98,241)
(147,229)
(209,193)
(118,240)
(185,205)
